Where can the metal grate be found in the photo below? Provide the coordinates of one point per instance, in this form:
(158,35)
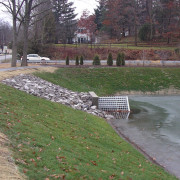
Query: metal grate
(120,115)
(114,103)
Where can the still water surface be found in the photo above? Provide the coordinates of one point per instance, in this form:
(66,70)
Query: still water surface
(154,125)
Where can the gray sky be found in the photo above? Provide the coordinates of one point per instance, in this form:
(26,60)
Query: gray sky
(80,5)
(84,4)
(4,15)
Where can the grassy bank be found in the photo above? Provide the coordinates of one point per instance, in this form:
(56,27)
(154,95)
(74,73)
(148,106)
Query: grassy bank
(141,46)
(53,141)
(108,81)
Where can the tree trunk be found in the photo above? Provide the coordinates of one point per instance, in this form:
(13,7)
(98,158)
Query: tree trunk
(25,45)
(169,39)
(14,46)
(135,24)
(28,8)
(14,49)
(123,33)
(129,31)
(136,34)
(150,17)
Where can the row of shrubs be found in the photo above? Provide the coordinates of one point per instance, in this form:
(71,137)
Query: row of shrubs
(120,60)
(77,60)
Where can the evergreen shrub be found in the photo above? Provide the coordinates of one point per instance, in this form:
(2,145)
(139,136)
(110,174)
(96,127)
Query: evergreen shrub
(96,60)
(118,60)
(145,32)
(110,60)
(67,60)
(177,51)
(77,60)
(123,59)
(81,60)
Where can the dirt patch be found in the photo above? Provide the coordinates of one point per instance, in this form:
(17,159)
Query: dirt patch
(8,74)
(8,169)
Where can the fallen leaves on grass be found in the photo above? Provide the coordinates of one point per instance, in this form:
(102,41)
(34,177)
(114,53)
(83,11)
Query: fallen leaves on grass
(52,137)
(104,171)
(58,176)
(112,176)
(94,163)
(60,158)
(46,169)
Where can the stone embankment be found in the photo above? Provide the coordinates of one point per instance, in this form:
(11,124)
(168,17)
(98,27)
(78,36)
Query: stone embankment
(44,89)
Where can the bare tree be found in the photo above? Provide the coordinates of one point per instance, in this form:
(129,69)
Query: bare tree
(26,16)
(21,12)
(5,33)
(43,27)
(14,7)
(26,21)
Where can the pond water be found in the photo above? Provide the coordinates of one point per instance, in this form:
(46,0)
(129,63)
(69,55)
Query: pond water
(154,125)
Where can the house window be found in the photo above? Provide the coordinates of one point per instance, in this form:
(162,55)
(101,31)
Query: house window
(79,40)
(80,30)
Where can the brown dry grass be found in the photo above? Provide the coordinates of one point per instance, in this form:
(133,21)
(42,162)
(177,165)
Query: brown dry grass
(8,169)
(8,74)
(8,65)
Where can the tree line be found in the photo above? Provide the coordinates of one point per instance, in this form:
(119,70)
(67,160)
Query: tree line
(146,19)
(38,22)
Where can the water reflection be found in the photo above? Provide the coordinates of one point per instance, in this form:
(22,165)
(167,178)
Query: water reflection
(154,124)
(120,115)
(160,121)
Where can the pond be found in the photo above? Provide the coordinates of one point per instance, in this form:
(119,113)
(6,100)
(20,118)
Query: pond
(154,125)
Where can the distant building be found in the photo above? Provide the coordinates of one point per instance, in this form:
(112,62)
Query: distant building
(82,35)
(4,49)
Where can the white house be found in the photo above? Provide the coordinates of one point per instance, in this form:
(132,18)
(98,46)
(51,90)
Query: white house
(82,36)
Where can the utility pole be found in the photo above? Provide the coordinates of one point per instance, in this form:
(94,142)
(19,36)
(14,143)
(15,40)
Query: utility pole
(2,40)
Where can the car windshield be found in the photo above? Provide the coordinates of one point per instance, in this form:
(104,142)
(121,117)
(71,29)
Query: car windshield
(32,55)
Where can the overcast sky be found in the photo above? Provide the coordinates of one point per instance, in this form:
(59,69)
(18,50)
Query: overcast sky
(84,4)
(80,5)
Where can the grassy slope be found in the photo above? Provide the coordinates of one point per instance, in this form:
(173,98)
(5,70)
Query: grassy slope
(124,46)
(108,81)
(52,141)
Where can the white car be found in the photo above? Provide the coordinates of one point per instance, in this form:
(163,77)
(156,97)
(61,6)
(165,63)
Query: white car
(45,58)
(36,57)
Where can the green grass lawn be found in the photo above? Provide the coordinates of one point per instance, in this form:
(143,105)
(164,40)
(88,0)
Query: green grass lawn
(142,46)
(108,81)
(53,141)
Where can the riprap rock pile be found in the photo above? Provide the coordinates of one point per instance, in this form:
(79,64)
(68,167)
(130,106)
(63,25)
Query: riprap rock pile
(44,89)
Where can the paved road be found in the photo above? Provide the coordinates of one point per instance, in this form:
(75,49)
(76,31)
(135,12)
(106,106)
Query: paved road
(3,57)
(147,63)
(104,62)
